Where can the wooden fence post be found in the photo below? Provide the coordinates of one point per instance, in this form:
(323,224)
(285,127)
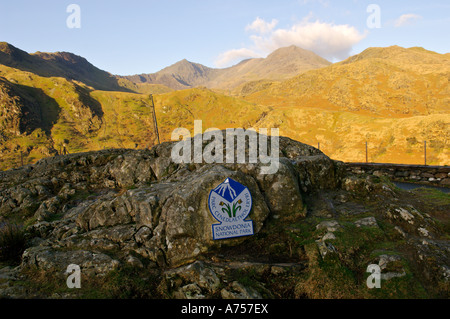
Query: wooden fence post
(425,152)
(367,156)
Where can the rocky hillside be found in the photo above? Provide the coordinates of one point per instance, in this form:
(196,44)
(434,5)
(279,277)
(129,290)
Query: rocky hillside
(41,115)
(19,113)
(58,64)
(138,225)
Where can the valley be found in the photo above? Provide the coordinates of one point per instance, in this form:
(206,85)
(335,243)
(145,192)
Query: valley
(393,98)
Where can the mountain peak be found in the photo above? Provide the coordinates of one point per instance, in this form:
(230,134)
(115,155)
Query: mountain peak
(187,63)
(290,48)
(181,65)
(12,51)
(5,47)
(294,52)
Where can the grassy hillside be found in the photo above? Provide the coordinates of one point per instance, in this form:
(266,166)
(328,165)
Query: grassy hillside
(81,119)
(181,108)
(342,135)
(393,98)
(144,88)
(73,116)
(370,86)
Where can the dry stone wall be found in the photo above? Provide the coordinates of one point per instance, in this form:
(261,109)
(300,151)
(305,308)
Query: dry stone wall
(423,174)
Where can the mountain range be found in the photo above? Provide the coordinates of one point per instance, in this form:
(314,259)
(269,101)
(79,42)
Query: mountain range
(394,98)
(280,64)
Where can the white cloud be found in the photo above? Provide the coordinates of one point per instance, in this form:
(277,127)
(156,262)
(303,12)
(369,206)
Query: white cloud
(331,41)
(406,19)
(233,56)
(324,3)
(261,26)
(327,40)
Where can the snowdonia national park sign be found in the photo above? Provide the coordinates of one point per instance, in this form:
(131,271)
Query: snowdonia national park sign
(230,203)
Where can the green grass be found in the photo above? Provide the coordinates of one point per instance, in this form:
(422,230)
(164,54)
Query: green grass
(434,195)
(125,282)
(438,205)
(406,287)
(128,282)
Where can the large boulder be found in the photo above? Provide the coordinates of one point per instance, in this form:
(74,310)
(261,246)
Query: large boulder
(142,203)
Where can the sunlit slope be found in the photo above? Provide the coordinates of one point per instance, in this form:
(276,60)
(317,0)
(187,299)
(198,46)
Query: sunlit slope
(372,83)
(76,117)
(181,108)
(394,98)
(281,64)
(342,135)
(70,115)
(144,88)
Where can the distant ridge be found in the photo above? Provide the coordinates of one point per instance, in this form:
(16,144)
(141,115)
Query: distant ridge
(59,64)
(280,64)
(181,75)
(415,59)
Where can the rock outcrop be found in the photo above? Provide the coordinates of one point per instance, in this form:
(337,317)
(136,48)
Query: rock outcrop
(114,209)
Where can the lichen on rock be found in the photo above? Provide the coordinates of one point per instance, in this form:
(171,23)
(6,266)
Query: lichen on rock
(113,209)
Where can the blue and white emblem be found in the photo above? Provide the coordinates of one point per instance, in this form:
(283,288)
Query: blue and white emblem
(230,203)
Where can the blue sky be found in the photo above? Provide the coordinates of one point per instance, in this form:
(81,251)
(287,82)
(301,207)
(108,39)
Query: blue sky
(130,37)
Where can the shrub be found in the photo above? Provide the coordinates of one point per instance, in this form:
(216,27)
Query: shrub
(12,242)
